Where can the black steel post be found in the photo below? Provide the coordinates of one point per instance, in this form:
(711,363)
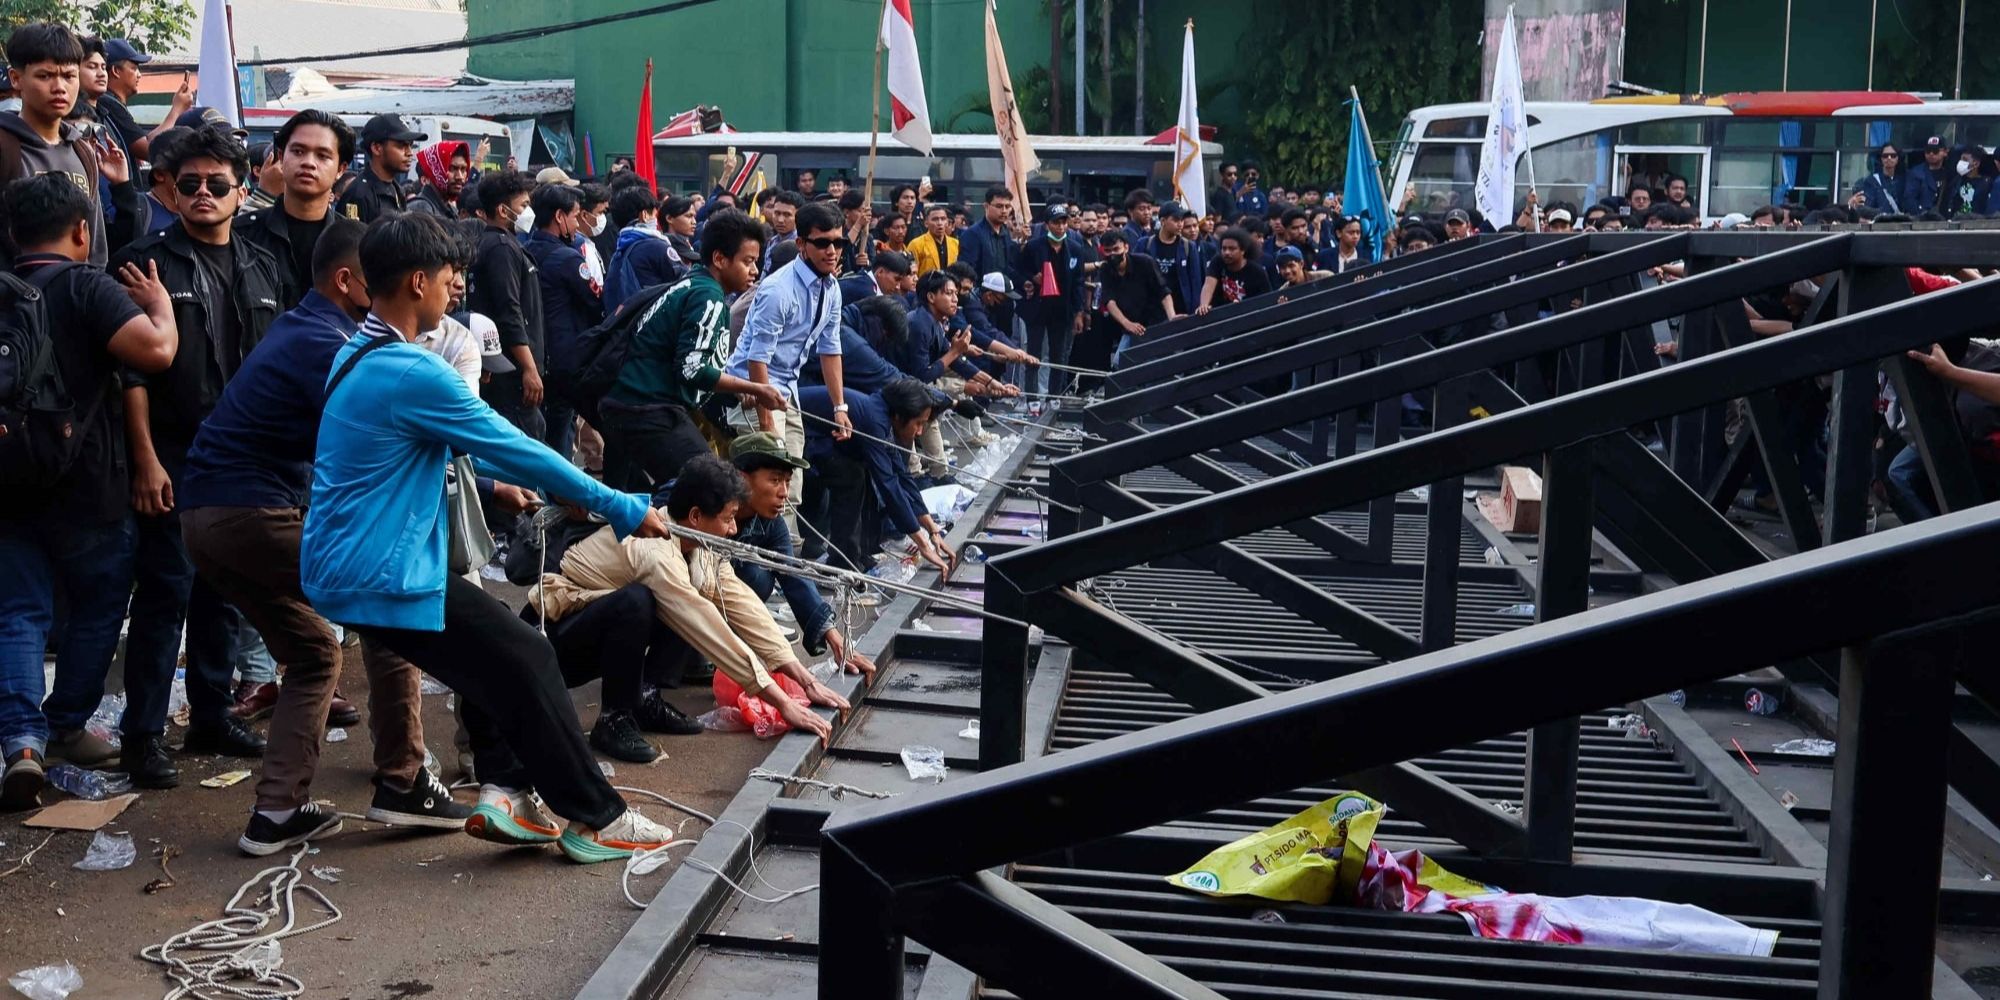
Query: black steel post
(1003,676)
(1443,514)
(1563,588)
(861,952)
(1880,920)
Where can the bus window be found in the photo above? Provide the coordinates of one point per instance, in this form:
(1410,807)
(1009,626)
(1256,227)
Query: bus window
(1576,170)
(1984,131)
(1806,178)
(1049,173)
(985,170)
(1741,182)
(1444,173)
(1682,132)
(1456,128)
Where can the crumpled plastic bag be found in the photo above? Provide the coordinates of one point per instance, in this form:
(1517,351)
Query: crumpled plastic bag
(1297,860)
(108,852)
(924,763)
(47,982)
(723,719)
(762,716)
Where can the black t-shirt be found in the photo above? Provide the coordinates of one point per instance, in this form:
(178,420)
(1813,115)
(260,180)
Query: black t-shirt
(1235,286)
(304,237)
(219,261)
(1138,292)
(111,111)
(85,308)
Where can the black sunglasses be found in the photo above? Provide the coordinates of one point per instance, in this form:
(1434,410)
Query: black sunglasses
(217,186)
(826,242)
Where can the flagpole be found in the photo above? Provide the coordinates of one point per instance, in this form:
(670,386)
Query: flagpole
(875,128)
(1535,209)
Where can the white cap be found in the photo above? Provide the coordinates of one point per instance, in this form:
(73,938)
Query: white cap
(1734,219)
(491,358)
(997,282)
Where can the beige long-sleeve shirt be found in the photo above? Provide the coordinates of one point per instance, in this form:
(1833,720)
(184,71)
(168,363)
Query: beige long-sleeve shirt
(698,595)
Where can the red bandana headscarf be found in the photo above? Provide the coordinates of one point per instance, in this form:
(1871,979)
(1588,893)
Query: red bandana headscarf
(435,160)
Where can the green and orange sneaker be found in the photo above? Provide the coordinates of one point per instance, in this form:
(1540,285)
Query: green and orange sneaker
(516,818)
(618,840)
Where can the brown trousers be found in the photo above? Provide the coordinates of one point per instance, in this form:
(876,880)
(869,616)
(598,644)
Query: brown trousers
(250,555)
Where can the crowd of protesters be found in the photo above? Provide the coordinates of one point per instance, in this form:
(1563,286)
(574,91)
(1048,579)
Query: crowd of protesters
(295,397)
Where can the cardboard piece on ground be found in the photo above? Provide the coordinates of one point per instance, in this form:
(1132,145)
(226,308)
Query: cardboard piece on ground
(80,814)
(1520,500)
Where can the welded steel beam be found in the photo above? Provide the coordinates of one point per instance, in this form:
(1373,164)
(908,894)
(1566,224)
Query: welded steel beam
(1567,420)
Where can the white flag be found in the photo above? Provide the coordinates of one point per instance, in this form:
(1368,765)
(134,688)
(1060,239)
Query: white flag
(1015,152)
(1506,134)
(909,115)
(217,84)
(1190,182)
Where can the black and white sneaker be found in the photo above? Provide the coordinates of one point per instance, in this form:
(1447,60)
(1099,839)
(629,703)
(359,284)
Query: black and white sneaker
(263,836)
(427,804)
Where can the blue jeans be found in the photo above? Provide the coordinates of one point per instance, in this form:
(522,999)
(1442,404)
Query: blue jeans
(253,658)
(93,565)
(166,598)
(1909,487)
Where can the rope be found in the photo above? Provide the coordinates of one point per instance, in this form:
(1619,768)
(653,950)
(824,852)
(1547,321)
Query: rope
(641,861)
(239,945)
(1025,491)
(1055,433)
(834,788)
(1078,370)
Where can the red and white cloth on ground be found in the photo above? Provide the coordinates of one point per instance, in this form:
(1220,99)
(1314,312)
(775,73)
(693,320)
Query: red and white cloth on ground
(1391,881)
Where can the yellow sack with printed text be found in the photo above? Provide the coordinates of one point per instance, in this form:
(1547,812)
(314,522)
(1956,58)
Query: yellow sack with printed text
(1298,860)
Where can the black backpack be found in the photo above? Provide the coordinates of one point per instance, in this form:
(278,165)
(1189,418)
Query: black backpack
(600,355)
(40,434)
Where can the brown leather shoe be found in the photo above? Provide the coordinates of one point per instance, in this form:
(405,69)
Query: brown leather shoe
(342,712)
(254,700)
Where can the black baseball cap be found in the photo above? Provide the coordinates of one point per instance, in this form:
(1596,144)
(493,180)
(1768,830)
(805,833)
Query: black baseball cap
(1458,215)
(1933,143)
(117,50)
(389,128)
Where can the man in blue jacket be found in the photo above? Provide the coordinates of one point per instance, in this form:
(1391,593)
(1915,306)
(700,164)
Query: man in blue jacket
(243,503)
(872,461)
(643,257)
(1923,191)
(373,554)
(1051,276)
(988,245)
(570,303)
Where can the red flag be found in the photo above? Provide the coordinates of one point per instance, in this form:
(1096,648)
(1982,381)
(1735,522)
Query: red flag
(642,149)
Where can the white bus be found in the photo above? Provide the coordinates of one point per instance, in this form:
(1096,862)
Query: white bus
(1737,151)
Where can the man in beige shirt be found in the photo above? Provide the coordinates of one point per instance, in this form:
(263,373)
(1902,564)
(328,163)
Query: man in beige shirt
(705,609)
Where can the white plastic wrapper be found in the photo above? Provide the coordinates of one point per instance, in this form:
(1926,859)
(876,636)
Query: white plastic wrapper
(108,852)
(726,719)
(47,982)
(924,763)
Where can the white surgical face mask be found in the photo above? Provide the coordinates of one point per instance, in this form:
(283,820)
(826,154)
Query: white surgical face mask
(598,229)
(525,222)
(1964,167)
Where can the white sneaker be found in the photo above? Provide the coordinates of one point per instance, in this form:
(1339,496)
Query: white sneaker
(506,816)
(617,841)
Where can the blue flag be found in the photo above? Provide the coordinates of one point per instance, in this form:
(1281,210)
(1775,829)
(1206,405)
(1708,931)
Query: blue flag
(1362,195)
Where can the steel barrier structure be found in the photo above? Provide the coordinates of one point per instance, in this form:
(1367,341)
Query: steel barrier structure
(1563,374)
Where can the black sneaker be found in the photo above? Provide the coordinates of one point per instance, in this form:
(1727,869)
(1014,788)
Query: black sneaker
(264,837)
(230,738)
(656,715)
(428,804)
(617,735)
(147,762)
(22,786)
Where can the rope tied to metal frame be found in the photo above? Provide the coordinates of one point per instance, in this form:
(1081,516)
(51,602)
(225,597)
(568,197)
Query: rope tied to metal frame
(1027,492)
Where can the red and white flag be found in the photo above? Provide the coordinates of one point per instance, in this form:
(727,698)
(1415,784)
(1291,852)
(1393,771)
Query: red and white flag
(908,112)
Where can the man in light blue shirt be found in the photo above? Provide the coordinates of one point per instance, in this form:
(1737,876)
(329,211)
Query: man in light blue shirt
(796,310)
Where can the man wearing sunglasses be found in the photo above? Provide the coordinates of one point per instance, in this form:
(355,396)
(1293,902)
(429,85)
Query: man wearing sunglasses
(225,293)
(796,310)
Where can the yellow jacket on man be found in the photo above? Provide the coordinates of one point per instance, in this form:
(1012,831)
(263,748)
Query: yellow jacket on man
(924,251)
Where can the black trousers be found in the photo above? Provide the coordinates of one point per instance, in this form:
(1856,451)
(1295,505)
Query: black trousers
(524,730)
(847,510)
(645,446)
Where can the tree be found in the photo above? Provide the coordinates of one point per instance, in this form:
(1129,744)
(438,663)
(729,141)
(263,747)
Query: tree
(1294,83)
(151,24)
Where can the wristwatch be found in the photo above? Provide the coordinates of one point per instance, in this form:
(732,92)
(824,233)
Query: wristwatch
(840,408)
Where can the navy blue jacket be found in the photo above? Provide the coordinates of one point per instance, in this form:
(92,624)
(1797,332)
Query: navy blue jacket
(856,287)
(862,368)
(986,250)
(1883,193)
(927,343)
(1921,189)
(640,261)
(1069,277)
(256,447)
(888,470)
(813,614)
(569,305)
(1181,267)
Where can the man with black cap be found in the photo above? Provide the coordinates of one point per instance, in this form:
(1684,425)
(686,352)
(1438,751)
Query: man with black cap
(1925,187)
(894,273)
(124,59)
(376,189)
(1051,274)
(1457,224)
(1179,261)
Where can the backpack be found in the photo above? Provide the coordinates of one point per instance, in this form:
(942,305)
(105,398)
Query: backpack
(600,355)
(40,434)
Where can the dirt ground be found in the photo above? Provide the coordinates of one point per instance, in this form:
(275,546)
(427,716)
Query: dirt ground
(431,914)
